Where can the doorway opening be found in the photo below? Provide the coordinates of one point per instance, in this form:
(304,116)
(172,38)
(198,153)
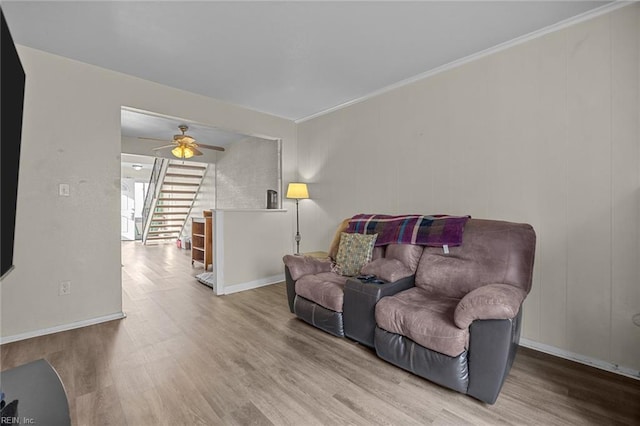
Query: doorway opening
(235,172)
(134,184)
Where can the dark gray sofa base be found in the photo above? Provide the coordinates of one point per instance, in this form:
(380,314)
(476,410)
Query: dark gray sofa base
(492,347)
(291,288)
(319,316)
(442,369)
(360,300)
(479,372)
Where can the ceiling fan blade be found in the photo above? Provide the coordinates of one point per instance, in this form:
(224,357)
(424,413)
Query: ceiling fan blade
(215,148)
(154,139)
(196,151)
(163,147)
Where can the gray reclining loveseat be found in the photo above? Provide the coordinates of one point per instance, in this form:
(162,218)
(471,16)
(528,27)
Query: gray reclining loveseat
(457,320)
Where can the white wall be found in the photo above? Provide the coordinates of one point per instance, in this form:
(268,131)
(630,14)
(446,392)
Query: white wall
(252,248)
(244,173)
(545,132)
(71,134)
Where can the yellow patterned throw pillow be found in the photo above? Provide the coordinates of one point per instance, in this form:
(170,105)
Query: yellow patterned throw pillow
(354,251)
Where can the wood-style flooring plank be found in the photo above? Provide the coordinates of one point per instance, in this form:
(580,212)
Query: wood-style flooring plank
(184,356)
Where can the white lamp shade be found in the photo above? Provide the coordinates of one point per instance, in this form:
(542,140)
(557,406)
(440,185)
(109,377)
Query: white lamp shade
(297,190)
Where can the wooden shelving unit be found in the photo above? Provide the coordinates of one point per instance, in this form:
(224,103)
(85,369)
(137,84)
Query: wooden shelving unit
(201,241)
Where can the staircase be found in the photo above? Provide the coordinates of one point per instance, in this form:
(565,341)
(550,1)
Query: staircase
(172,191)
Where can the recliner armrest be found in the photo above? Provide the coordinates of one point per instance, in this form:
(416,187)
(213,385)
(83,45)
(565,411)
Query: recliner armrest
(380,290)
(388,269)
(299,266)
(493,301)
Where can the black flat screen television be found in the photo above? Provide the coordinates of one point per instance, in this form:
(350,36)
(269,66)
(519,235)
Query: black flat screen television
(12,95)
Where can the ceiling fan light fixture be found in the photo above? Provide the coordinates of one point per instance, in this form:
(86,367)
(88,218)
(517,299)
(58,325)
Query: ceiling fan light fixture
(182,152)
(183,146)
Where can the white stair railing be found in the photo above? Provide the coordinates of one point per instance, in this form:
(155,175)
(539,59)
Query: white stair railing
(153,191)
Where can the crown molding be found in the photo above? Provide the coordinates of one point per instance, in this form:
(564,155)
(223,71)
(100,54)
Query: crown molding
(607,8)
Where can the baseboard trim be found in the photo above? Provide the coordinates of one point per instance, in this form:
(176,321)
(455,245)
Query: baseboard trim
(235,288)
(582,359)
(63,327)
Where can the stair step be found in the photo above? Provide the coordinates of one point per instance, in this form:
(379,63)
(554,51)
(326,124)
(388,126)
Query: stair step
(175,191)
(180,183)
(187,166)
(169,214)
(183,175)
(158,213)
(175,199)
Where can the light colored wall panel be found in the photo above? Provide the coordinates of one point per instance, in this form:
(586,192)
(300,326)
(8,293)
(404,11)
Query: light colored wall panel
(625,150)
(551,158)
(512,189)
(525,135)
(466,175)
(589,195)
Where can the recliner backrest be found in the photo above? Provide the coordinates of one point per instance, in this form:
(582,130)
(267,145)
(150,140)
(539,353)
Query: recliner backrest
(378,252)
(491,252)
(335,242)
(408,254)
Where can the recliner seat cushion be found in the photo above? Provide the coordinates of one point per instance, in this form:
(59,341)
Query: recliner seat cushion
(426,318)
(326,289)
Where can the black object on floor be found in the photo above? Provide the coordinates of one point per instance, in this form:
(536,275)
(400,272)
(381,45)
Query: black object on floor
(42,397)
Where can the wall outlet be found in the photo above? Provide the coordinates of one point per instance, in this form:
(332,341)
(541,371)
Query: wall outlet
(65,288)
(63,190)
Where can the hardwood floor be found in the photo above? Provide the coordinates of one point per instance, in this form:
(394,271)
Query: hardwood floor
(184,356)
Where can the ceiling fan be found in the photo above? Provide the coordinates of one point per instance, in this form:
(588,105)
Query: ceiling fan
(184,146)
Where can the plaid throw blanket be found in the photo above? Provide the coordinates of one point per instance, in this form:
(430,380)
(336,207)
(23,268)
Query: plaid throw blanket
(433,231)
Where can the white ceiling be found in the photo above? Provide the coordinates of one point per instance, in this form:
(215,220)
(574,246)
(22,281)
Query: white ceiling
(143,160)
(127,161)
(291,59)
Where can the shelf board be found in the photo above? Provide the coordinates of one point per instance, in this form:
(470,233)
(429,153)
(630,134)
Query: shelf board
(197,248)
